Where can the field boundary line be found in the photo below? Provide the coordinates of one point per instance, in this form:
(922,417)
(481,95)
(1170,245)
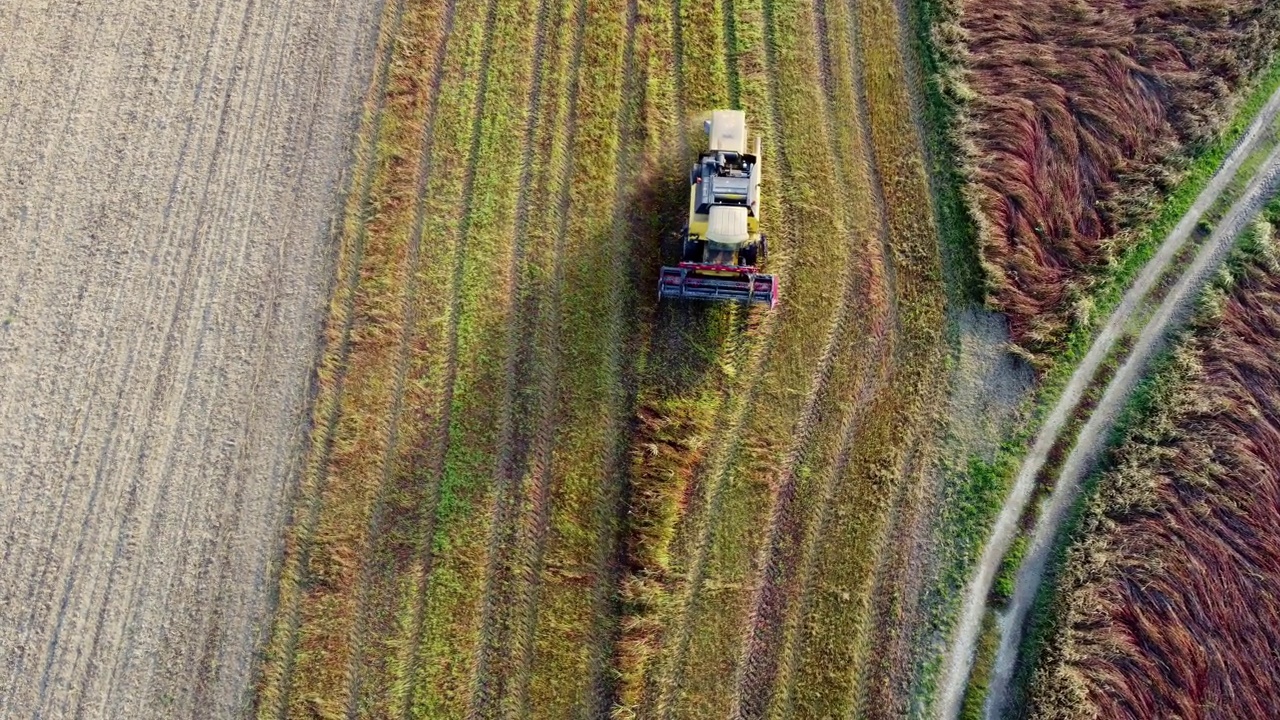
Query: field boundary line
(960,653)
(362,213)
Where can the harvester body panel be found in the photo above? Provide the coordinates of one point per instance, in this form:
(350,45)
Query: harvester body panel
(722,246)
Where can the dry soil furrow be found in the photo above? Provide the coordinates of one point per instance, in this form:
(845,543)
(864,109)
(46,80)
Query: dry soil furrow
(79,304)
(960,654)
(125,519)
(157,231)
(226,594)
(205,550)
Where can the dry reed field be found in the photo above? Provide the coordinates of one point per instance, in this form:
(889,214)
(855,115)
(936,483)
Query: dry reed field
(169,177)
(533,492)
(1166,603)
(1077,115)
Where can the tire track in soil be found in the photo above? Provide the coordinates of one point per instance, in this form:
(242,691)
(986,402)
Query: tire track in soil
(508,467)
(197,290)
(884,691)
(739,318)
(350,284)
(218,546)
(768,640)
(379,523)
(685,153)
(889,357)
(805,424)
(24,498)
(737,398)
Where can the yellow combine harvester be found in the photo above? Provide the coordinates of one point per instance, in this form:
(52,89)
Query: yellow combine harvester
(723,246)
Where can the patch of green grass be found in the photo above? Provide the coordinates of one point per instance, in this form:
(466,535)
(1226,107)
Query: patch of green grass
(962,264)
(1002,588)
(975,695)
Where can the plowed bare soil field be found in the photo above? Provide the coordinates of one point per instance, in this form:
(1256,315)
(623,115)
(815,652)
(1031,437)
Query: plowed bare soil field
(532,491)
(170,179)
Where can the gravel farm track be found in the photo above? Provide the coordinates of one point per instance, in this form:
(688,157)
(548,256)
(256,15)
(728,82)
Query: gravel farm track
(170,178)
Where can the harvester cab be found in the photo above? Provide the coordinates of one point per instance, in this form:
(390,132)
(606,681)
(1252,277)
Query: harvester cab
(722,248)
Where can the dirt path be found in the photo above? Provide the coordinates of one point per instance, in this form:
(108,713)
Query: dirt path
(169,179)
(1092,437)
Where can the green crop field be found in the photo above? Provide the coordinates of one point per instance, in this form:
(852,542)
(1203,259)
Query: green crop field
(532,491)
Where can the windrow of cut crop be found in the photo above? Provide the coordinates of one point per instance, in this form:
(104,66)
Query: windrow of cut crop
(1166,604)
(829,666)
(1077,116)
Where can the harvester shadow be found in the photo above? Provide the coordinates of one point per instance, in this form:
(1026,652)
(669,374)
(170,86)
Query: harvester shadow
(685,336)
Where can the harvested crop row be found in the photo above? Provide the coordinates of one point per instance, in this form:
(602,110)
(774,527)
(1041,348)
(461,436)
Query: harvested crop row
(1072,133)
(443,666)
(576,458)
(1166,603)
(858,365)
(705,635)
(490,525)
(830,665)
(681,383)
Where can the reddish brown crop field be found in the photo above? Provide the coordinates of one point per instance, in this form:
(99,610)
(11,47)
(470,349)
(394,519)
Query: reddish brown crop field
(1170,605)
(1076,116)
